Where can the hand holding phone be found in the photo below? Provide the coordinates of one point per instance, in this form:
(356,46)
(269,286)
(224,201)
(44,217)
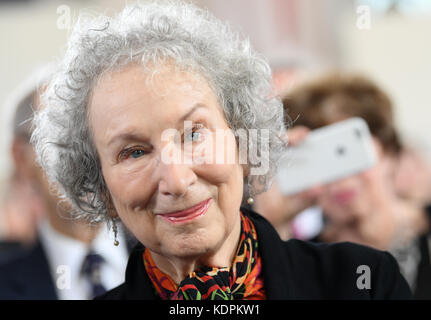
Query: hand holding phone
(326,155)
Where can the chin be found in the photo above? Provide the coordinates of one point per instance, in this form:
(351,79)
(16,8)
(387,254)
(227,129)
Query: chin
(199,243)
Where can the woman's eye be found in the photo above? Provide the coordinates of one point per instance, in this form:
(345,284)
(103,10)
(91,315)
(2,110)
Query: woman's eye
(193,136)
(137,153)
(131,153)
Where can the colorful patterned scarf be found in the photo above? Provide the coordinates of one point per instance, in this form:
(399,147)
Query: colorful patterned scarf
(243,280)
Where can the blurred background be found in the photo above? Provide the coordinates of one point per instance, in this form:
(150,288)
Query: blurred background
(388,41)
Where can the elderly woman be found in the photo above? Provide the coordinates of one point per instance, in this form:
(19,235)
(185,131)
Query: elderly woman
(131,131)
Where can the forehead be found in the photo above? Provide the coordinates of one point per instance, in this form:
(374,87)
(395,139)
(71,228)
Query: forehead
(165,82)
(136,96)
(157,81)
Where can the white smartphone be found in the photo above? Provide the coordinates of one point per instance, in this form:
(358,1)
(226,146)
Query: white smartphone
(326,155)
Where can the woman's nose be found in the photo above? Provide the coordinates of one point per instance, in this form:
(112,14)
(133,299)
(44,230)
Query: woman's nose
(175,179)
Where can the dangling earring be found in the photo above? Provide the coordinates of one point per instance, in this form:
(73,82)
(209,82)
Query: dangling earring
(115,230)
(250,199)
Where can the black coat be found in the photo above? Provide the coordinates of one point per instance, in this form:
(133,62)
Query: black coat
(296,270)
(26,274)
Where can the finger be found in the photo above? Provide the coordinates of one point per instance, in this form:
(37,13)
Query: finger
(296,135)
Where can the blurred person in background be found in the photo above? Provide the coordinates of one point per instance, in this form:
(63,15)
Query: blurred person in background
(21,204)
(413,182)
(63,258)
(20,211)
(364,208)
(413,176)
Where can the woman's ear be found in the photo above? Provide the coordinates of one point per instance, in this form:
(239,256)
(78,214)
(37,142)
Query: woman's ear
(112,214)
(23,157)
(110,209)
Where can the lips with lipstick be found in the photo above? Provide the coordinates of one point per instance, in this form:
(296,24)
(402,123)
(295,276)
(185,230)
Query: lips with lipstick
(189,214)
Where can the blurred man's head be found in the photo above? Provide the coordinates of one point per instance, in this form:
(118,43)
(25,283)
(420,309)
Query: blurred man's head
(22,152)
(26,169)
(26,198)
(30,191)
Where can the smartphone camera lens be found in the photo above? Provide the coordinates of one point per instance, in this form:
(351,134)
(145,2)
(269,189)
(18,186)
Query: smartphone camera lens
(358,133)
(341,150)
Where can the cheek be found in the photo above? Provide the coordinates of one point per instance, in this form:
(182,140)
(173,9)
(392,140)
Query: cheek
(129,203)
(222,167)
(129,188)
(124,178)
(228,179)
(217,174)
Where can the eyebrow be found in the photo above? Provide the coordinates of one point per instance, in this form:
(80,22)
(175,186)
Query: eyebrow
(190,112)
(132,136)
(126,136)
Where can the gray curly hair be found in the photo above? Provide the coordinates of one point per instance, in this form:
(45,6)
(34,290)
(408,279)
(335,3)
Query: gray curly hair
(149,33)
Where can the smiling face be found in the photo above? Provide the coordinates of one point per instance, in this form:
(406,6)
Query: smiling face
(129,114)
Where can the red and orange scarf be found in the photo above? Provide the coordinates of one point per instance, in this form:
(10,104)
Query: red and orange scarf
(243,280)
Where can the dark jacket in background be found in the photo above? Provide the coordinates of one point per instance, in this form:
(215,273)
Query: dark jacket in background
(26,275)
(9,248)
(296,270)
(423,280)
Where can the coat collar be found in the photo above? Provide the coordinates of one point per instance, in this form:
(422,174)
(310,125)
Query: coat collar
(275,262)
(275,266)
